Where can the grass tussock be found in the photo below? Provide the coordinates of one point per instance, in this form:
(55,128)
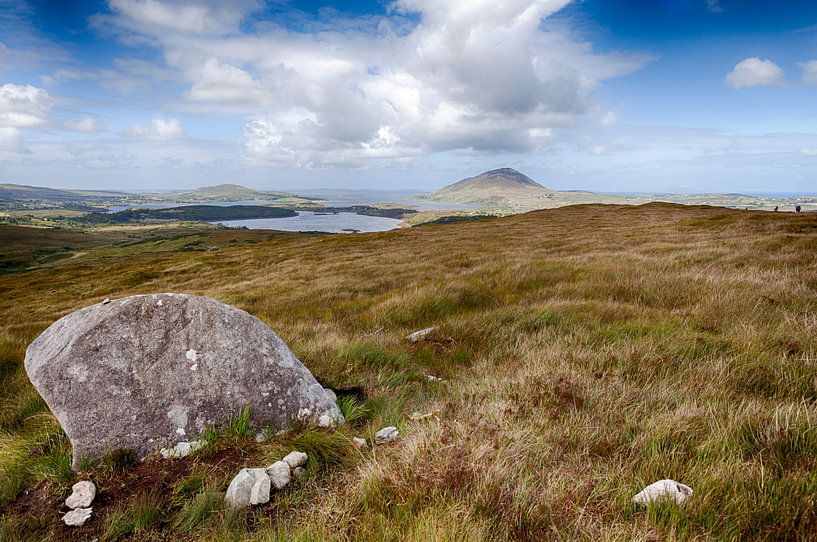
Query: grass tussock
(583,353)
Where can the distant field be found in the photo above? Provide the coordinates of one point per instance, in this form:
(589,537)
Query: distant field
(585,352)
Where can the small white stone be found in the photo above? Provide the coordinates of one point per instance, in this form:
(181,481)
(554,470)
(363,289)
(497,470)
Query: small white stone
(192,355)
(82,495)
(433,378)
(298,472)
(663,490)
(160,303)
(295,459)
(260,437)
(182,449)
(304,414)
(194,366)
(387,434)
(360,443)
(418,336)
(248,485)
(77,517)
(279,473)
(106,301)
(259,494)
(326,421)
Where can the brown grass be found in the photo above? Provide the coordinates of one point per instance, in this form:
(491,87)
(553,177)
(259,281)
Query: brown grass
(586,352)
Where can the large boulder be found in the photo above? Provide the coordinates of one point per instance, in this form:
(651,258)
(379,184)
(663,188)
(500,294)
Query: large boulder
(148,371)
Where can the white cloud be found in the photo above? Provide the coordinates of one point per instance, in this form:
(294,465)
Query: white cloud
(11,140)
(228,85)
(84,124)
(809,72)
(469,75)
(155,17)
(810,151)
(714,6)
(158,130)
(23,106)
(609,119)
(754,71)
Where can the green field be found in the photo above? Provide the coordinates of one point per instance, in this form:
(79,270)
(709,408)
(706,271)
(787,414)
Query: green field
(584,352)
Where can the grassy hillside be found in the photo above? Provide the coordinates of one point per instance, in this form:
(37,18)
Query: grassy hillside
(585,352)
(191,213)
(25,192)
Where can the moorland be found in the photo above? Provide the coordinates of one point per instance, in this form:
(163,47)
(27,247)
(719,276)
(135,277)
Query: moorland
(583,352)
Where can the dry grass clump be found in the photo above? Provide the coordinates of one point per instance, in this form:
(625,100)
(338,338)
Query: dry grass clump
(586,352)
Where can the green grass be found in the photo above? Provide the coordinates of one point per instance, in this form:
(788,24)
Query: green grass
(585,351)
(135,517)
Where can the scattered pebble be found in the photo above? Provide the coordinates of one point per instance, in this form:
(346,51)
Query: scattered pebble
(247,488)
(182,449)
(433,378)
(417,336)
(387,434)
(82,495)
(295,459)
(298,472)
(77,517)
(279,473)
(326,421)
(360,443)
(106,301)
(663,490)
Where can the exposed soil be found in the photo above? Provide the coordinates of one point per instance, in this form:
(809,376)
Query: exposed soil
(117,487)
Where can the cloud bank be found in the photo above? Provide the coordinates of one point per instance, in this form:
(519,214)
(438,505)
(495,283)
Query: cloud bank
(473,76)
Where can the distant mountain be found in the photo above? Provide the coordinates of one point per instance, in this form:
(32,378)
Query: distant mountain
(495,186)
(20,192)
(233,191)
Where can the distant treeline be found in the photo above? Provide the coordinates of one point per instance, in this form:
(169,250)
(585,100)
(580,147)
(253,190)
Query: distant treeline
(201,213)
(364,210)
(211,213)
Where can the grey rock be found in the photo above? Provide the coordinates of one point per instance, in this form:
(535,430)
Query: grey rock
(260,490)
(298,472)
(82,495)
(387,434)
(77,517)
(143,371)
(663,490)
(247,488)
(182,449)
(360,443)
(279,473)
(295,459)
(331,393)
(418,336)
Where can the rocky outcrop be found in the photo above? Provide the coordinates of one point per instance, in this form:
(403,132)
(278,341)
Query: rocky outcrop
(147,372)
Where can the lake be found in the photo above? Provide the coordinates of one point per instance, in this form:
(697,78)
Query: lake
(310,221)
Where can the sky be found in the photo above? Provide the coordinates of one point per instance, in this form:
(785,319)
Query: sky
(603,95)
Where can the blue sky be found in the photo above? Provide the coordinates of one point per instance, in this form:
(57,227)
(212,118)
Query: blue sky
(625,95)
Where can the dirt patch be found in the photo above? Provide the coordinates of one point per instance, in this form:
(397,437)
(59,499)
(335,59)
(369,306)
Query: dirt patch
(118,487)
